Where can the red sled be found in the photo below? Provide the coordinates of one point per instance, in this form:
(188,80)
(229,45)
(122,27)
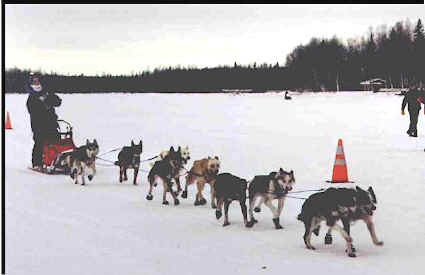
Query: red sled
(54,154)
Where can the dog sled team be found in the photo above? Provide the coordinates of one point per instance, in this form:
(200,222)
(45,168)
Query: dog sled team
(332,205)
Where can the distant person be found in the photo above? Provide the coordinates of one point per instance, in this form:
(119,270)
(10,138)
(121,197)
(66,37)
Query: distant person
(40,106)
(421,98)
(413,106)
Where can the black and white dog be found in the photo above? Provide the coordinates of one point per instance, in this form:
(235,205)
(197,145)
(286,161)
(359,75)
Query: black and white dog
(345,204)
(185,155)
(227,189)
(167,170)
(129,157)
(82,161)
(270,187)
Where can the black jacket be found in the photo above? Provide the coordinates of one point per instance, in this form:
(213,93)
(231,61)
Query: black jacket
(38,113)
(43,118)
(411,99)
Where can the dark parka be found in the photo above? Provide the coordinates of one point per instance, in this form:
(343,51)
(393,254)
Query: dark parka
(411,99)
(43,117)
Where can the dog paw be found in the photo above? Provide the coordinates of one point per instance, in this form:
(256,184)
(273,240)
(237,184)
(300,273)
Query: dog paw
(278,227)
(176,202)
(90,177)
(257,209)
(203,201)
(197,203)
(184,195)
(250,224)
(165,203)
(381,243)
(351,254)
(149,197)
(218,214)
(226,223)
(213,206)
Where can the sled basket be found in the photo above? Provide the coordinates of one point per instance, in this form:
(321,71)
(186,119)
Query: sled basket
(54,152)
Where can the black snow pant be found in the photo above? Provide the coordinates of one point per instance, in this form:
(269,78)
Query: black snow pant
(413,114)
(37,150)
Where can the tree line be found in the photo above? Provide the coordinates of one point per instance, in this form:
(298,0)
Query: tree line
(395,55)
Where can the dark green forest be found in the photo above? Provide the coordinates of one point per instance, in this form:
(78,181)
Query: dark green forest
(395,54)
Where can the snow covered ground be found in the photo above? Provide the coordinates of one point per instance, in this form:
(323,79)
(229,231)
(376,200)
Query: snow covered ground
(56,227)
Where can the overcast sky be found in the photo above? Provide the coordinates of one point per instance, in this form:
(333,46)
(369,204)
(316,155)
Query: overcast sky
(121,39)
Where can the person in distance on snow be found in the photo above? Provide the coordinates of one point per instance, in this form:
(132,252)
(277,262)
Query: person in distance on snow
(421,98)
(44,125)
(413,106)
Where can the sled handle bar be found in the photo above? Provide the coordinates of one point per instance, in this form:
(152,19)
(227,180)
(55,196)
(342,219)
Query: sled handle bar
(64,121)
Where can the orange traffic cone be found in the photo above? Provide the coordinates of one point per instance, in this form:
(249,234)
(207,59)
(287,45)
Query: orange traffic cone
(7,125)
(340,174)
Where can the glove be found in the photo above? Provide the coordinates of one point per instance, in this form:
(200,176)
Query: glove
(402,112)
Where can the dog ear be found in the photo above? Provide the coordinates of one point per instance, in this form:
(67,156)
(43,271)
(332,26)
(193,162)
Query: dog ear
(87,142)
(281,170)
(95,141)
(292,172)
(172,149)
(216,157)
(141,145)
(132,143)
(372,194)
(179,149)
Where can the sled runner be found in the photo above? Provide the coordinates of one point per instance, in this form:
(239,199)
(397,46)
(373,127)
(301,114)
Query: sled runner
(54,154)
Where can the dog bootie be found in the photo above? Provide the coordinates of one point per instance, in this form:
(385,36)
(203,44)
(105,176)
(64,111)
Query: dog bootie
(184,195)
(165,203)
(149,197)
(257,209)
(218,214)
(353,249)
(328,238)
(277,223)
(202,201)
(176,202)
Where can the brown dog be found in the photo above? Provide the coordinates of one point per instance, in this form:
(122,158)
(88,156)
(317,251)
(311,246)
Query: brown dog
(203,171)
